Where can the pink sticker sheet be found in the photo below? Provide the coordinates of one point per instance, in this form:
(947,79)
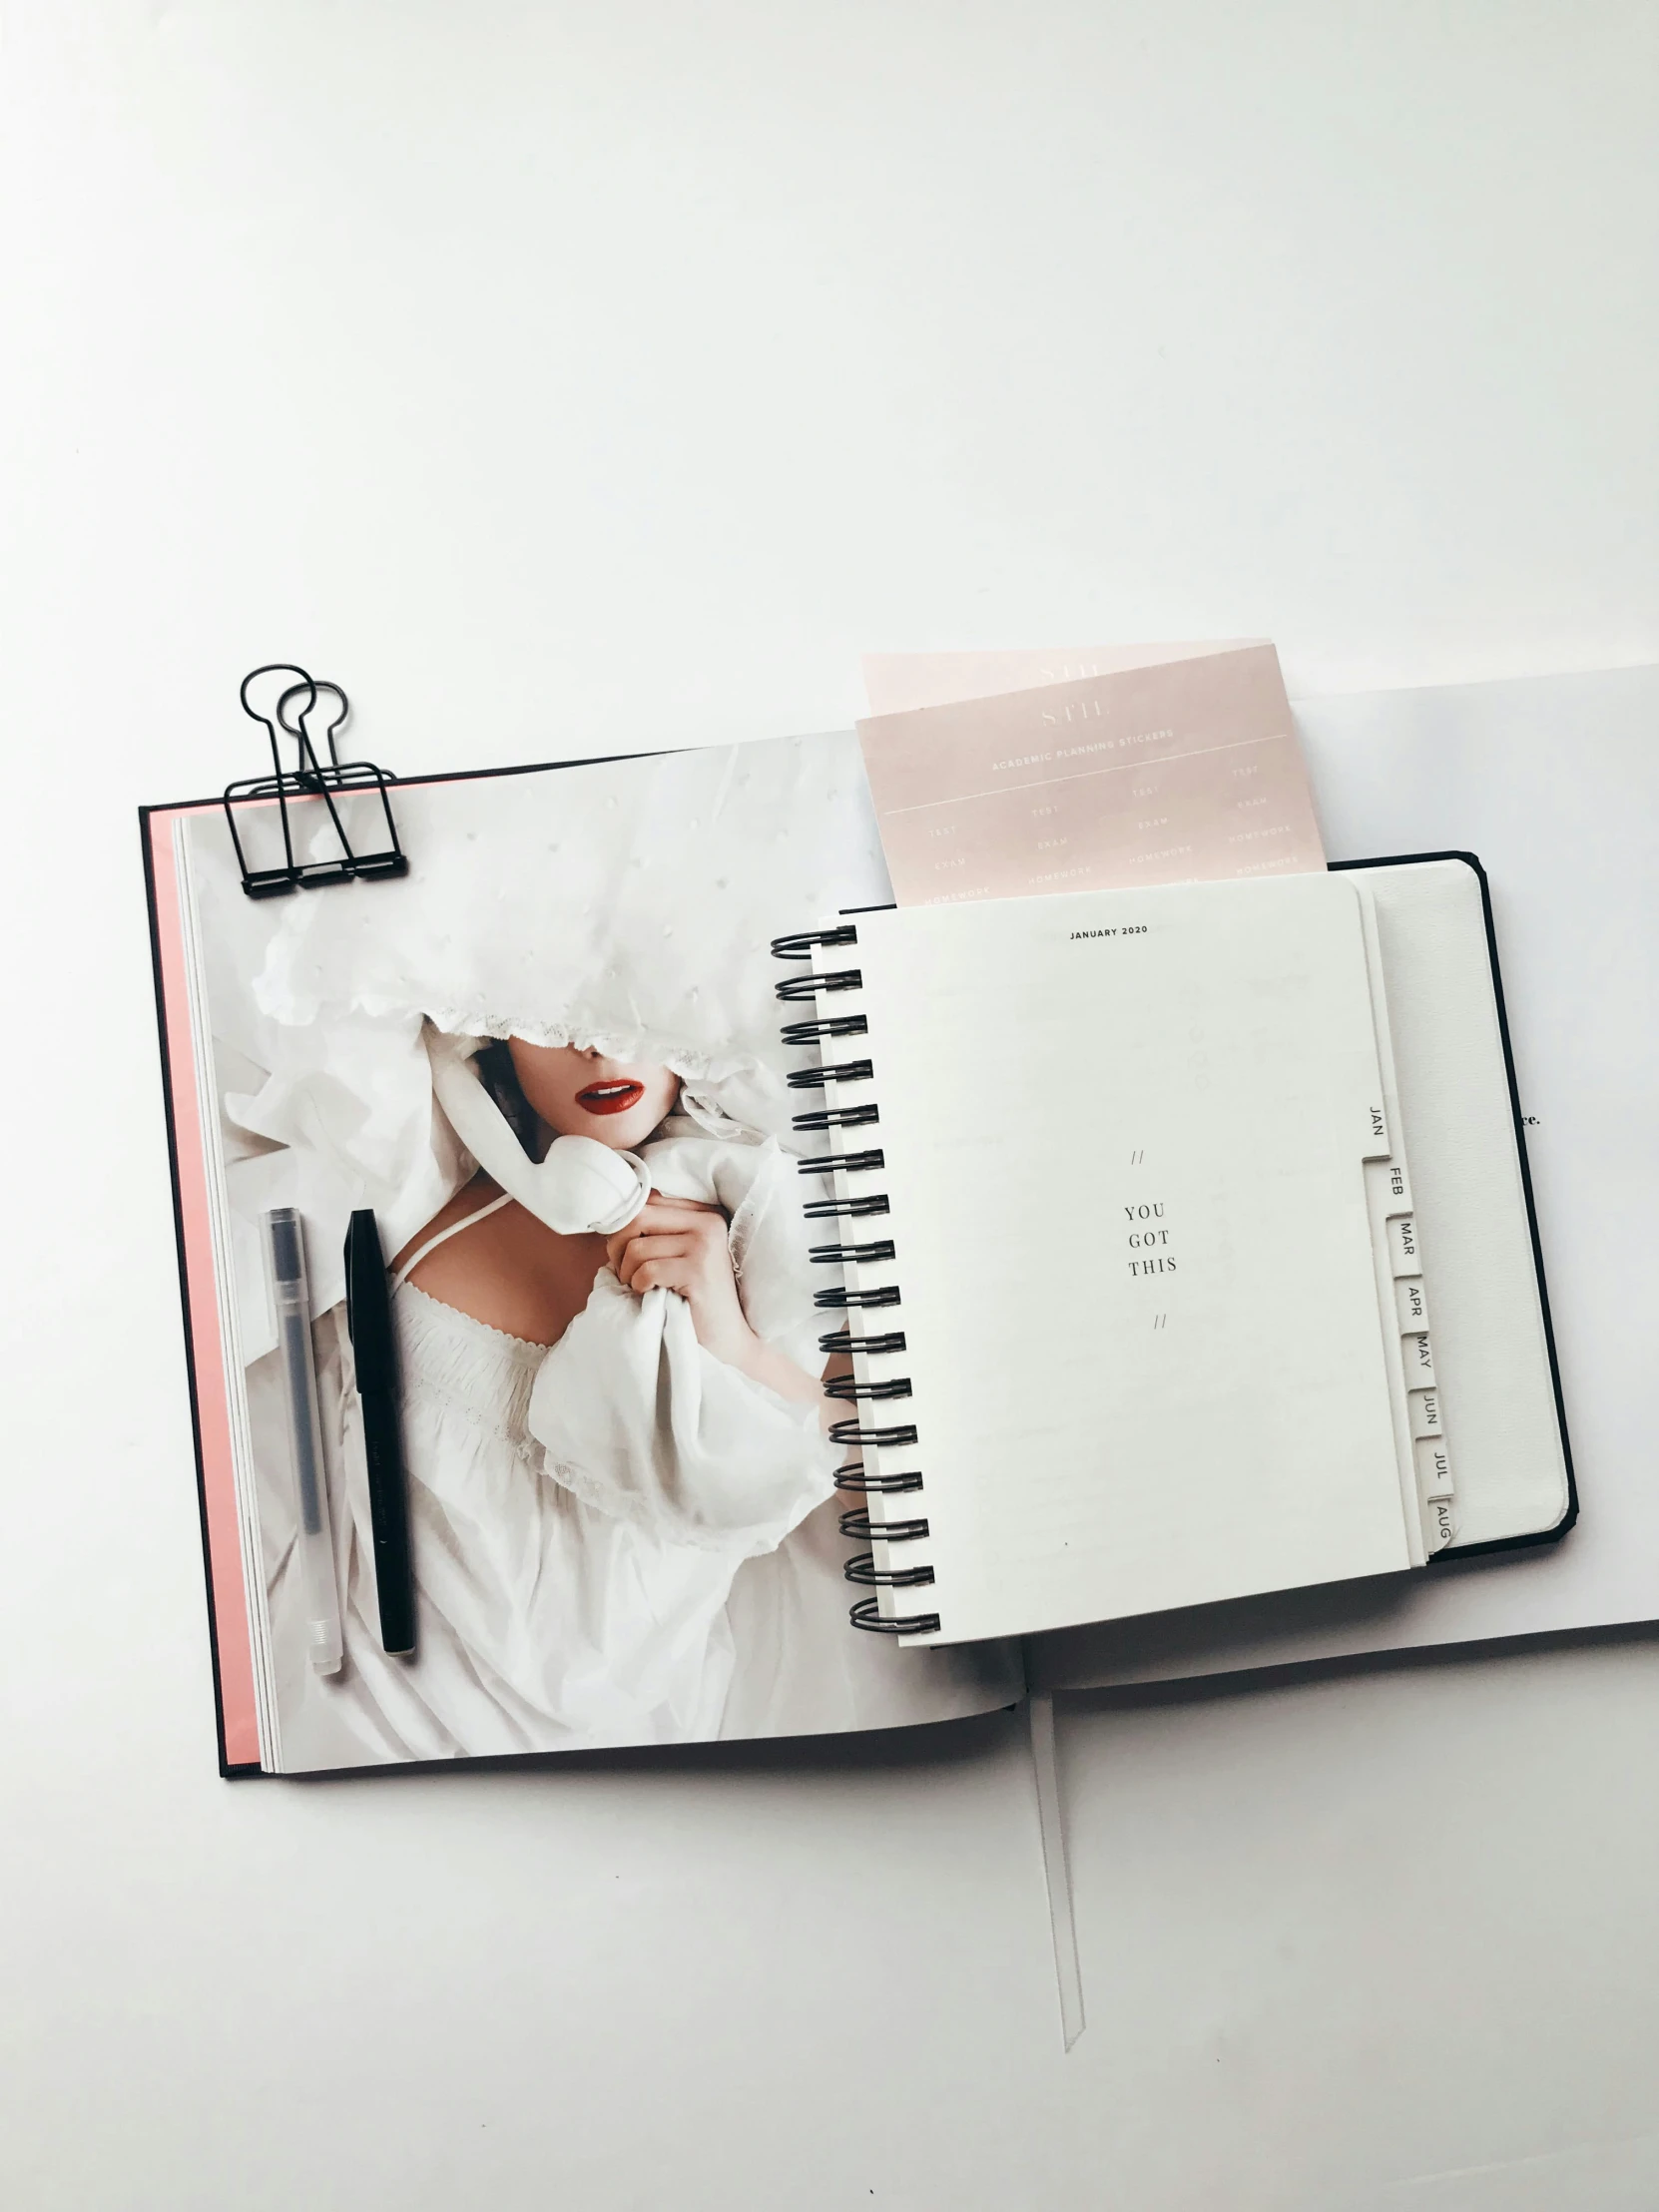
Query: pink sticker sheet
(1180,769)
(895,682)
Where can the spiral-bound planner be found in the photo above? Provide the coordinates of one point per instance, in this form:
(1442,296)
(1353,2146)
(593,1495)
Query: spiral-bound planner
(1141,1307)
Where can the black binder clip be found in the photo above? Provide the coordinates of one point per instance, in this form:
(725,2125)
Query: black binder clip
(311,778)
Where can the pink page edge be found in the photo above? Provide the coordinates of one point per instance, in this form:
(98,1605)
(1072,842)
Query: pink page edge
(227,1589)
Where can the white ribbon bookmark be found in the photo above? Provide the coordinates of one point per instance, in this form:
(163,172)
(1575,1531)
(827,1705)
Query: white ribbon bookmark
(1056,1872)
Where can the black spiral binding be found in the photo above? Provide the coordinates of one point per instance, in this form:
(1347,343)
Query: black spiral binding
(860,1569)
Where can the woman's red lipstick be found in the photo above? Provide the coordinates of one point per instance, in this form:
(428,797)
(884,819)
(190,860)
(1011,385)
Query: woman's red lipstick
(610,1098)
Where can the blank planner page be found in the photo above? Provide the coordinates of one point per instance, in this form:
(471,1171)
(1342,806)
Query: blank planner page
(1123,1138)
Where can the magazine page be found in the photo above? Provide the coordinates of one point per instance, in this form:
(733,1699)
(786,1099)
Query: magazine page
(625,1526)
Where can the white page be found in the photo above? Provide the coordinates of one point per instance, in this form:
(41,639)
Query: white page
(1555,783)
(1123,1138)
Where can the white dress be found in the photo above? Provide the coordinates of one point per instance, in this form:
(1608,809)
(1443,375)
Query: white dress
(618,1540)
(547,1624)
(545,1620)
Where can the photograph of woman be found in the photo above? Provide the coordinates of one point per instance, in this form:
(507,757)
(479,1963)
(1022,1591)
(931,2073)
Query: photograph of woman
(621,1487)
(596,1434)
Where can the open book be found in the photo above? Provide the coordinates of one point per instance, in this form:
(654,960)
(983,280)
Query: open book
(1058,1260)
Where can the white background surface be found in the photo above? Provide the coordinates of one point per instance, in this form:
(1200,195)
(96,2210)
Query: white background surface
(568,377)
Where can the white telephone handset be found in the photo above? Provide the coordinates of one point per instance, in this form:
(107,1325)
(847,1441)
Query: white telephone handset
(580,1187)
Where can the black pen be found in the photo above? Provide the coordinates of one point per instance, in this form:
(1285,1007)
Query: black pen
(374,1355)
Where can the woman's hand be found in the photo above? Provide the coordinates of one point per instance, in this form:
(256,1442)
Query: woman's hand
(681,1245)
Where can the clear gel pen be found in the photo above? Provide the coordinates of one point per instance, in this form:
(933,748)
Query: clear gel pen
(286,1255)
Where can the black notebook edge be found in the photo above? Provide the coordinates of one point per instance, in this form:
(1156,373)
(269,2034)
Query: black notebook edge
(1518,1120)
